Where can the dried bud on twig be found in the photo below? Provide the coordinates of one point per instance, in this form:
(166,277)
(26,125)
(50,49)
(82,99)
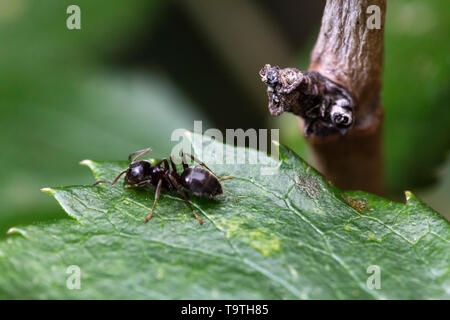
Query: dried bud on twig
(325,106)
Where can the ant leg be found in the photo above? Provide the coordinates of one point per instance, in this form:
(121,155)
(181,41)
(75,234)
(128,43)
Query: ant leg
(202,164)
(181,192)
(164,162)
(183,154)
(106,181)
(183,161)
(139,184)
(158,191)
(139,154)
(174,167)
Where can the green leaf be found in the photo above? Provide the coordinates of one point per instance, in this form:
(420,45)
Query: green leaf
(287,235)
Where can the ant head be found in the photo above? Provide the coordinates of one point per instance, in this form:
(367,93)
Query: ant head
(137,172)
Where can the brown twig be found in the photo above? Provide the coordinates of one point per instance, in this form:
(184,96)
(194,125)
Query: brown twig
(338,98)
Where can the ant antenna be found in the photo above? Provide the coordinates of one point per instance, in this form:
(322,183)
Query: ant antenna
(106,181)
(139,153)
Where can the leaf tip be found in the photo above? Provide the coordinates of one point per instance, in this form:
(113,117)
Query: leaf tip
(408,195)
(14,230)
(86,163)
(47,190)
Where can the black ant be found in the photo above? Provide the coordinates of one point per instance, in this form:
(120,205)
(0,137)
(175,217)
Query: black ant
(202,182)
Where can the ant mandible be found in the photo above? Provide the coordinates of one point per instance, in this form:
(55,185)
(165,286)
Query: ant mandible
(202,182)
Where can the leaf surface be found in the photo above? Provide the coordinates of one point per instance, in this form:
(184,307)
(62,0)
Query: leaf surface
(285,235)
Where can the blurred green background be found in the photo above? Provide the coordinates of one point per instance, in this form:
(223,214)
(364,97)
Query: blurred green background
(139,69)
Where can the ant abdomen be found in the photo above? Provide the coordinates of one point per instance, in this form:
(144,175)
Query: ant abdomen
(201,182)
